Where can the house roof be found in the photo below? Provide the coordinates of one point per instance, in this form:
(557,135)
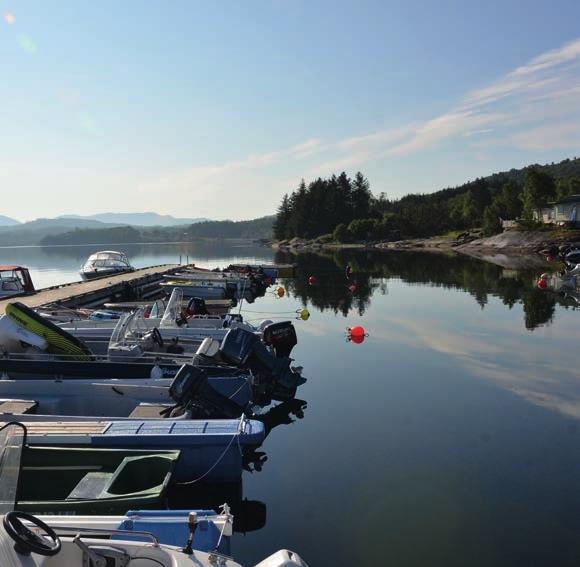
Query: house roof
(569,199)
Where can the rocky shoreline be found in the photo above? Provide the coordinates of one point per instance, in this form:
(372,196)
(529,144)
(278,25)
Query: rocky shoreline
(516,248)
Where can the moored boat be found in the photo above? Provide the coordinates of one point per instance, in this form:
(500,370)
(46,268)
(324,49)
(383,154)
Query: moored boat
(84,480)
(106,263)
(14,280)
(210,449)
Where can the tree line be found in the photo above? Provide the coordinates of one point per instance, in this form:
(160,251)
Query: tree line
(346,210)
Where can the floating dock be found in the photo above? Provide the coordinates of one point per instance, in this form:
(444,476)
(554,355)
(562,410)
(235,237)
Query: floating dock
(142,284)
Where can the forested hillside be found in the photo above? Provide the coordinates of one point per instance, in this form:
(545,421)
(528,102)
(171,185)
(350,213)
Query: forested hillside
(252,229)
(347,208)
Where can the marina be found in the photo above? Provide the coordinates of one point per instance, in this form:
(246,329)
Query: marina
(389,287)
(101,413)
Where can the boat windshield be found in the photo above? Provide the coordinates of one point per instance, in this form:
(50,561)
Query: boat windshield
(12,441)
(108,259)
(173,309)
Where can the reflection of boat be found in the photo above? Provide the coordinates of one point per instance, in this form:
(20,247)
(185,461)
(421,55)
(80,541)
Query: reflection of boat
(90,481)
(249,515)
(572,256)
(106,263)
(15,280)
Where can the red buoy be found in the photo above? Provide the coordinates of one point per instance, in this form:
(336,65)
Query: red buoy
(357,332)
(549,259)
(542,283)
(312,280)
(358,339)
(352,288)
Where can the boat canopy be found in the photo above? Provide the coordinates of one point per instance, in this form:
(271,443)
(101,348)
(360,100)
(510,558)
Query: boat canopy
(12,272)
(108,258)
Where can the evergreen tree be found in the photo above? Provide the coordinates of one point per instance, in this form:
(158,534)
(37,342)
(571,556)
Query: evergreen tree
(539,187)
(282,223)
(361,197)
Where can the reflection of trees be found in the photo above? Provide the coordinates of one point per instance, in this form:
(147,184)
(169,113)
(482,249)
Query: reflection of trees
(539,308)
(331,290)
(479,279)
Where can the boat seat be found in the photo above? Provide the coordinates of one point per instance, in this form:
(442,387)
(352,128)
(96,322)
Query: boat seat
(90,487)
(144,410)
(18,407)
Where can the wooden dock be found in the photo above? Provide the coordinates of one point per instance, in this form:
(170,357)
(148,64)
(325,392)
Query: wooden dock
(142,283)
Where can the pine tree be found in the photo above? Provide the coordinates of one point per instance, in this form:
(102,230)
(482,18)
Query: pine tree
(282,223)
(361,196)
(539,187)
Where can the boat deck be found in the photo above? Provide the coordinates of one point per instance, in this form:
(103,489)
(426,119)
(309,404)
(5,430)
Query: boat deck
(92,292)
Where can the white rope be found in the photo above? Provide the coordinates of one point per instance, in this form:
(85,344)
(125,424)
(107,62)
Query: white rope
(236,435)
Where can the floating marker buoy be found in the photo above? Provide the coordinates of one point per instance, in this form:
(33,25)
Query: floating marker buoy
(549,259)
(312,280)
(352,288)
(280,291)
(303,314)
(542,283)
(356,334)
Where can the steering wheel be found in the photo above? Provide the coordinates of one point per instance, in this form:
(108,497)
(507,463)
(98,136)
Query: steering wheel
(157,338)
(45,543)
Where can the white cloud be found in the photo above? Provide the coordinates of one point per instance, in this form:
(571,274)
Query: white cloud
(513,108)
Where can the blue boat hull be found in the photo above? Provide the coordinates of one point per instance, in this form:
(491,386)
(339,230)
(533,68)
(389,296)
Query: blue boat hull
(210,449)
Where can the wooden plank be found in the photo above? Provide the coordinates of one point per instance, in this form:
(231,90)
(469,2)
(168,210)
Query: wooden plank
(84,289)
(19,406)
(65,427)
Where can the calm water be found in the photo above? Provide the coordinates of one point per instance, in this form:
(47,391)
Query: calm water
(449,437)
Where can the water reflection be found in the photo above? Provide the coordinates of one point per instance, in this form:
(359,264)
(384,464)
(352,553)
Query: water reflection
(249,515)
(371,272)
(282,414)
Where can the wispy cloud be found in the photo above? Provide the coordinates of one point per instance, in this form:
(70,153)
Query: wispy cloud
(510,111)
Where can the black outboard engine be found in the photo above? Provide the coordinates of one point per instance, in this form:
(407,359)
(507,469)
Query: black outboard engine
(281,337)
(191,391)
(246,350)
(197,306)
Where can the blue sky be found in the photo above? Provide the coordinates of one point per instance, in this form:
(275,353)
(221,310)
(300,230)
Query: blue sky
(218,108)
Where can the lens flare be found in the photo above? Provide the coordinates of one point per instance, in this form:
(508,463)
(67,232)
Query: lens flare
(27,44)
(9,18)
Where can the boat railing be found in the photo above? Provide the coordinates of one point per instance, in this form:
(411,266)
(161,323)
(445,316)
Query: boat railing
(105,531)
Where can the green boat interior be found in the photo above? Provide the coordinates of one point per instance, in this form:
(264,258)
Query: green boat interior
(41,478)
(53,474)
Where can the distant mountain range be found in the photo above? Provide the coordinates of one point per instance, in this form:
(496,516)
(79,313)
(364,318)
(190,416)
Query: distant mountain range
(136,219)
(7,221)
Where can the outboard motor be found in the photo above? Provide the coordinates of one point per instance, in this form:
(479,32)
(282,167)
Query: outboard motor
(246,350)
(191,391)
(197,306)
(281,337)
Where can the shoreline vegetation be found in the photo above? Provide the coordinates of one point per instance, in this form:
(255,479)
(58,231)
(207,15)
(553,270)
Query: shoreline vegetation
(342,212)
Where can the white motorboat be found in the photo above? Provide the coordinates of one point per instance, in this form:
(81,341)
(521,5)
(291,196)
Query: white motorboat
(14,280)
(27,541)
(106,263)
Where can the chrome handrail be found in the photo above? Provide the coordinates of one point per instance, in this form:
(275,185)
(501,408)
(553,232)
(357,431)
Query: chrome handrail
(104,531)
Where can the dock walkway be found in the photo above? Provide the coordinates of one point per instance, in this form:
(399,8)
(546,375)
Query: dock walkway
(95,292)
